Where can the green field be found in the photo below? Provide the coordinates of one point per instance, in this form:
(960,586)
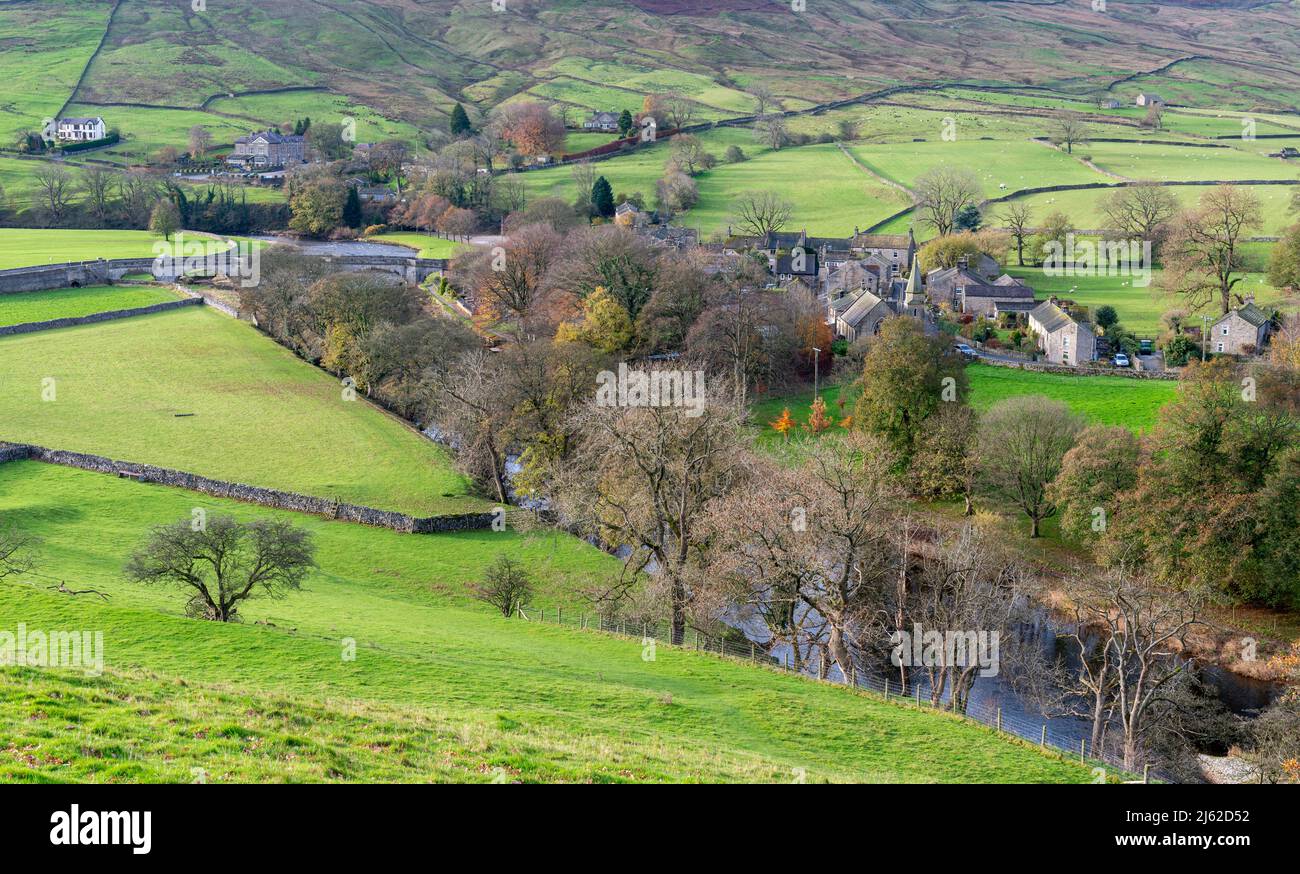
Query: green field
(256,413)
(1014,164)
(1103,400)
(45,46)
(1084,207)
(27,247)
(1164,163)
(830,195)
(440,689)
(428,245)
(1106,400)
(62,303)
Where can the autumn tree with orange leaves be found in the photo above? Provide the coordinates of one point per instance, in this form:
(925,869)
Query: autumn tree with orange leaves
(783,425)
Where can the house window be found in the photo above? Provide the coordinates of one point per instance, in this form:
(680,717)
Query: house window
(1219,347)
(1225,330)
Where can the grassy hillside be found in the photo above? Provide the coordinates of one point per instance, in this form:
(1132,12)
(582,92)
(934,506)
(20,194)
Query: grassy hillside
(62,303)
(196,390)
(453,692)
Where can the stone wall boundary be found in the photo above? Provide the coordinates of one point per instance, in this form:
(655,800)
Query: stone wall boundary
(280,500)
(94,318)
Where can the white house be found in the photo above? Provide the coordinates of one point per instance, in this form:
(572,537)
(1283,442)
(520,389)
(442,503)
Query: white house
(1145,99)
(80,129)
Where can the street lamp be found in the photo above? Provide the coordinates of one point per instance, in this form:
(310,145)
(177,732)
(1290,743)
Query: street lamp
(817,360)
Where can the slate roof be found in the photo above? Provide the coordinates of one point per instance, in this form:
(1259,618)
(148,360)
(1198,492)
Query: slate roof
(1051,316)
(1252,314)
(861,308)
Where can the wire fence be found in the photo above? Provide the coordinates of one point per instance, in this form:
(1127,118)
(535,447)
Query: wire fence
(1041,733)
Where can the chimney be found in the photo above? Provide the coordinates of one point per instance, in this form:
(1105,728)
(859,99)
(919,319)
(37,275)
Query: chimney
(963,262)
(1249,297)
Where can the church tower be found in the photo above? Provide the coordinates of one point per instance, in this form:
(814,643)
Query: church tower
(915,302)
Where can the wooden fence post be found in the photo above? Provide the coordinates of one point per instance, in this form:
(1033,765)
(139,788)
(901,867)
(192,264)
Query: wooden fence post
(999,720)
(1081,742)
(1043,743)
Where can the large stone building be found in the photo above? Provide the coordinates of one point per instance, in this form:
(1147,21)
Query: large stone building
(1242,331)
(269,149)
(963,290)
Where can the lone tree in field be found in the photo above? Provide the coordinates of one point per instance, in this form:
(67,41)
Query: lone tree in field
(1204,260)
(1141,211)
(165,219)
(941,194)
(1022,442)
(223,562)
(1069,130)
(759,213)
(1017,217)
(506,585)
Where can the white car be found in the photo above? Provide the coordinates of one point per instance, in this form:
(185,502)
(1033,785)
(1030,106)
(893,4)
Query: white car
(1120,360)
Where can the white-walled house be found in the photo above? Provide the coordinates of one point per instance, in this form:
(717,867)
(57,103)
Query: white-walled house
(77,130)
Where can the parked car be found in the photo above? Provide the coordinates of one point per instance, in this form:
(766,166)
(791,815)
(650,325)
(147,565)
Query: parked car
(1120,360)
(964,350)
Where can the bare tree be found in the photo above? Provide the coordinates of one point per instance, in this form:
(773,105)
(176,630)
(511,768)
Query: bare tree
(467,407)
(225,562)
(942,193)
(1141,211)
(584,180)
(811,544)
(56,188)
(511,276)
(1017,216)
(15,550)
(966,587)
(1069,130)
(1022,441)
(138,193)
(764,99)
(689,154)
(200,141)
(1142,630)
(771,131)
(679,111)
(1203,257)
(759,213)
(642,477)
(97,183)
(506,585)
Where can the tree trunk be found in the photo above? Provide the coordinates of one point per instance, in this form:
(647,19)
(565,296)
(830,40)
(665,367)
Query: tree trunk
(839,649)
(679,612)
(1033,531)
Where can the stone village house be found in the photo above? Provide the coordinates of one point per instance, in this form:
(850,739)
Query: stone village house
(1242,331)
